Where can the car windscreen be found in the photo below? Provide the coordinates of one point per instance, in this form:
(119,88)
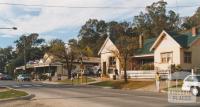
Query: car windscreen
(193,79)
(196,78)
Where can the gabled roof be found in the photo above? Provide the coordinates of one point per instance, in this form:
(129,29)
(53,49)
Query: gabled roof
(146,47)
(160,37)
(185,39)
(107,39)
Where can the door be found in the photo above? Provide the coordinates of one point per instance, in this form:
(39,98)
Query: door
(104,68)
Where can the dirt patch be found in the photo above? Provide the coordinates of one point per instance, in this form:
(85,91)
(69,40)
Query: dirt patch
(2,89)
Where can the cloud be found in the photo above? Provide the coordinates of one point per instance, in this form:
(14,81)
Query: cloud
(49,19)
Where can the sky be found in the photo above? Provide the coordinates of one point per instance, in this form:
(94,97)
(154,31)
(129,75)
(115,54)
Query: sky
(54,19)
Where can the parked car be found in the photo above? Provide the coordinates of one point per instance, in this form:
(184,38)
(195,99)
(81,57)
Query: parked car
(1,76)
(192,83)
(180,75)
(6,77)
(23,77)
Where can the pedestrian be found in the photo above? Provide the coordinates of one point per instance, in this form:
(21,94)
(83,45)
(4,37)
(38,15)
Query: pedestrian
(116,72)
(157,78)
(99,72)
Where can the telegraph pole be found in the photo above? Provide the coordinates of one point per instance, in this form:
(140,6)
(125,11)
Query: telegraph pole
(24,53)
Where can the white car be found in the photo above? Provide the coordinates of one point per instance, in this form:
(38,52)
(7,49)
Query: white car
(192,83)
(23,77)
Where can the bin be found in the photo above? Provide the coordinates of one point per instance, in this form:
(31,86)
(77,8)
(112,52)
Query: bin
(114,77)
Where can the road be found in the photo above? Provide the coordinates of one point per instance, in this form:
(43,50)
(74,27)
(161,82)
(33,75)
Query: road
(87,96)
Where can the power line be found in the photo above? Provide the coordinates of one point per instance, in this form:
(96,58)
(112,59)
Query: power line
(88,7)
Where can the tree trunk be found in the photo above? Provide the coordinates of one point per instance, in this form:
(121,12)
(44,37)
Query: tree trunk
(125,76)
(71,65)
(68,68)
(125,73)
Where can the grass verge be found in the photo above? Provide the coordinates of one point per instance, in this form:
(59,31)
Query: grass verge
(123,85)
(179,85)
(76,81)
(12,94)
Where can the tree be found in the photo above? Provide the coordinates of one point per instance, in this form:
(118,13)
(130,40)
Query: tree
(91,35)
(6,55)
(156,19)
(31,45)
(192,21)
(126,43)
(58,49)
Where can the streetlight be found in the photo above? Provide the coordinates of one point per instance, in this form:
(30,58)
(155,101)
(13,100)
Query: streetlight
(13,28)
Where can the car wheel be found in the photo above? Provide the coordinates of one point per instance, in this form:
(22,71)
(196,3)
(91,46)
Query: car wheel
(195,91)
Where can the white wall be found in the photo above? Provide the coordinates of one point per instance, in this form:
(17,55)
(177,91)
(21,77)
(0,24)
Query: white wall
(167,44)
(107,52)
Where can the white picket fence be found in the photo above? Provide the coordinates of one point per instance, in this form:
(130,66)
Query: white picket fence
(146,74)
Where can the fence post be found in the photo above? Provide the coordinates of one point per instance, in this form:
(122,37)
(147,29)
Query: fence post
(192,72)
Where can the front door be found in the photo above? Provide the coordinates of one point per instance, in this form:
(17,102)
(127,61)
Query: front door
(104,68)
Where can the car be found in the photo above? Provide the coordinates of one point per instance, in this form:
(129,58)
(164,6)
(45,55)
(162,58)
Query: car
(1,76)
(192,83)
(23,77)
(6,77)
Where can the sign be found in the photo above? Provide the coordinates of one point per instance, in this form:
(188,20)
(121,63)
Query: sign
(176,95)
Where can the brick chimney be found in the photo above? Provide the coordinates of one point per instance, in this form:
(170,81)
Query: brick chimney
(141,41)
(194,31)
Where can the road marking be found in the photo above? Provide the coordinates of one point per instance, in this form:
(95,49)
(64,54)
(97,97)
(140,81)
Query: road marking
(16,86)
(38,85)
(26,85)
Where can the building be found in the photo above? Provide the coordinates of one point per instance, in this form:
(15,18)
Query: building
(109,62)
(50,65)
(179,49)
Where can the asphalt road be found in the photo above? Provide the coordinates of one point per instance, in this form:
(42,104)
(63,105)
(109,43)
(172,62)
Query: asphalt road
(87,96)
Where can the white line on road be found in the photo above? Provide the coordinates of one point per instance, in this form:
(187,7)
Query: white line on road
(16,86)
(26,85)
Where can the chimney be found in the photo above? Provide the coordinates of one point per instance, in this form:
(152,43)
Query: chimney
(194,31)
(141,41)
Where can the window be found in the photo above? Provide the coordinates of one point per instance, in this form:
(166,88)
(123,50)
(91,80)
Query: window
(193,79)
(189,79)
(112,61)
(166,57)
(187,57)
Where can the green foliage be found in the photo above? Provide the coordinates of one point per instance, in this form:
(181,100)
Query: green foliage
(34,49)
(66,54)
(192,21)
(5,56)
(156,19)
(175,68)
(94,32)
(57,48)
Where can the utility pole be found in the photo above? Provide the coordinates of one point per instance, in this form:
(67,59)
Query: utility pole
(24,53)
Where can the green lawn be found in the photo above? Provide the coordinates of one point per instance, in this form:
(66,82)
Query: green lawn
(12,94)
(123,85)
(76,81)
(179,86)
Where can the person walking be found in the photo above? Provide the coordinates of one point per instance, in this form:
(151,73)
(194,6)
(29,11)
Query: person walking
(157,78)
